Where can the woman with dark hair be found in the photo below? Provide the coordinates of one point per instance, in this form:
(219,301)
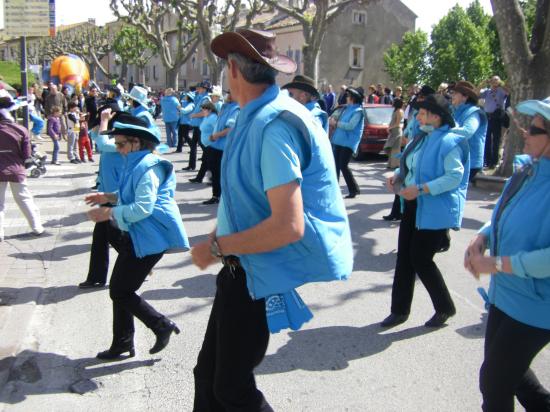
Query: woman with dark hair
(518,237)
(15,148)
(471,122)
(395,129)
(347,135)
(148,225)
(432,180)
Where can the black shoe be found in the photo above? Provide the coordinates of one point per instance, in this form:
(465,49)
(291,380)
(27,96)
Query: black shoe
(115,351)
(89,284)
(188,168)
(391,218)
(214,200)
(438,320)
(394,320)
(163,332)
(351,196)
(195,180)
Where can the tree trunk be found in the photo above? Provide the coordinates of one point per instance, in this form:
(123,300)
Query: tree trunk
(309,57)
(217,73)
(172,77)
(92,71)
(142,75)
(528,76)
(123,73)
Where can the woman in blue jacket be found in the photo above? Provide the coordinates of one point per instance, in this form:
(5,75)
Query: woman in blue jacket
(471,121)
(187,107)
(208,123)
(518,238)
(432,179)
(346,137)
(148,225)
(170,107)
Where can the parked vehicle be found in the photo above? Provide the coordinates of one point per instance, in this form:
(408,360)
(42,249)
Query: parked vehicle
(375,132)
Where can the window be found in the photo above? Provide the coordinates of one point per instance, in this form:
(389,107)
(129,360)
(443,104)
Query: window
(146,73)
(356,56)
(359,17)
(155,73)
(205,68)
(298,60)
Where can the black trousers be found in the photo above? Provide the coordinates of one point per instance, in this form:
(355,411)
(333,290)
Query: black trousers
(415,252)
(473,173)
(492,141)
(193,143)
(342,157)
(510,347)
(235,343)
(128,275)
(99,254)
(183,134)
(215,164)
(204,164)
(396,206)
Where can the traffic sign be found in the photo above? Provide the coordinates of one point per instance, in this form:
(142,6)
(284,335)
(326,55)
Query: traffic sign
(28,17)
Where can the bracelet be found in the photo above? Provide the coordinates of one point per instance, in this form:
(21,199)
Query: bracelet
(215,249)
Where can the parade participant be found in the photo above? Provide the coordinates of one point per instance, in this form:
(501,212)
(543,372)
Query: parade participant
(91,102)
(73,130)
(54,131)
(495,100)
(187,107)
(149,225)
(210,115)
(170,107)
(432,179)
(84,142)
(140,104)
(346,137)
(15,148)
(196,118)
(280,227)
(110,170)
(518,238)
(302,89)
(216,97)
(471,122)
(226,120)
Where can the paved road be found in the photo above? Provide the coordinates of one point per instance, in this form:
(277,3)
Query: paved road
(341,361)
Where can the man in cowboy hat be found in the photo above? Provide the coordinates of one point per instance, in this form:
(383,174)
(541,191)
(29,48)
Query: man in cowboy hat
(201,96)
(471,122)
(302,89)
(281,223)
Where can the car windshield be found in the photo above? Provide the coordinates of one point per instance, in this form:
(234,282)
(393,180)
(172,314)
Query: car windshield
(379,115)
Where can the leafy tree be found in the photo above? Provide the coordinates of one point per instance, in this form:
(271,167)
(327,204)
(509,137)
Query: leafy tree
(406,63)
(526,59)
(134,48)
(153,18)
(459,49)
(314,17)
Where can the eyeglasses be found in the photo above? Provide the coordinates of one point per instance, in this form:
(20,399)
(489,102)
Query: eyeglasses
(534,130)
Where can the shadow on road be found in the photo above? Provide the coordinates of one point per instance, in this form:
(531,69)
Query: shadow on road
(333,347)
(37,373)
(202,286)
(476,331)
(41,296)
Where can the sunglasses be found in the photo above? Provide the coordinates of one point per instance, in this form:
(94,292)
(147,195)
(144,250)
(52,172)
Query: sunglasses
(534,130)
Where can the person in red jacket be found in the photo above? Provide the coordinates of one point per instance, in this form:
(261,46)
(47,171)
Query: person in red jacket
(14,150)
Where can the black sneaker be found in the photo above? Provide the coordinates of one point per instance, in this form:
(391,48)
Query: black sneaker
(89,284)
(214,200)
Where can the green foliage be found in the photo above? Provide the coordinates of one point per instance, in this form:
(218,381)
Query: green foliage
(133,47)
(459,49)
(10,73)
(529,8)
(406,63)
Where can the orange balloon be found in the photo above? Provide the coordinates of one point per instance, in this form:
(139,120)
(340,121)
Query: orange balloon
(70,70)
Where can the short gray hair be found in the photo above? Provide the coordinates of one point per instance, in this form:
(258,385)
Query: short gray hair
(253,72)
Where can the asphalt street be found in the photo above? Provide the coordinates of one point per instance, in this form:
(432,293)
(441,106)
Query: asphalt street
(340,361)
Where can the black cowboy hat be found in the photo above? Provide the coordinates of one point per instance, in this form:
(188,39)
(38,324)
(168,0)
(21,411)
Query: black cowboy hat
(439,105)
(257,45)
(426,91)
(305,83)
(110,104)
(125,124)
(358,92)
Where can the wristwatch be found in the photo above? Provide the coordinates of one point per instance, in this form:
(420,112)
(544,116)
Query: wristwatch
(215,249)
(498,264)
(420,189)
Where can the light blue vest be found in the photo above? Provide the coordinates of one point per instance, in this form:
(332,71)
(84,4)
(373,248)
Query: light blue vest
(184,118)
(162,231)
(229,110)
(319,114)
(199,100)
(169,106)
(325,252)
(144,114)
(350,138)
(524,226)
(443,211)
(477,141)
(110,169)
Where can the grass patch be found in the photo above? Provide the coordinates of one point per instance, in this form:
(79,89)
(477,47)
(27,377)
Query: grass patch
(11,74)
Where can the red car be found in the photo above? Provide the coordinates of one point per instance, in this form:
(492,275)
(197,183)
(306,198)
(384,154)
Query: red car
(375,132)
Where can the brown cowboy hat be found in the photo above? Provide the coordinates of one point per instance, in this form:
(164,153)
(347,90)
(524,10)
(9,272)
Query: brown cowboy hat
(257,45)
(466,88)
(305,83)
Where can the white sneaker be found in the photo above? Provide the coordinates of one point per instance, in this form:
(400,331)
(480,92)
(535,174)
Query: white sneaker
(38,232)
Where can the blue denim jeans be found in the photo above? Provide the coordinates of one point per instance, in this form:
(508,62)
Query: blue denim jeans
(171,133)
(55,150)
